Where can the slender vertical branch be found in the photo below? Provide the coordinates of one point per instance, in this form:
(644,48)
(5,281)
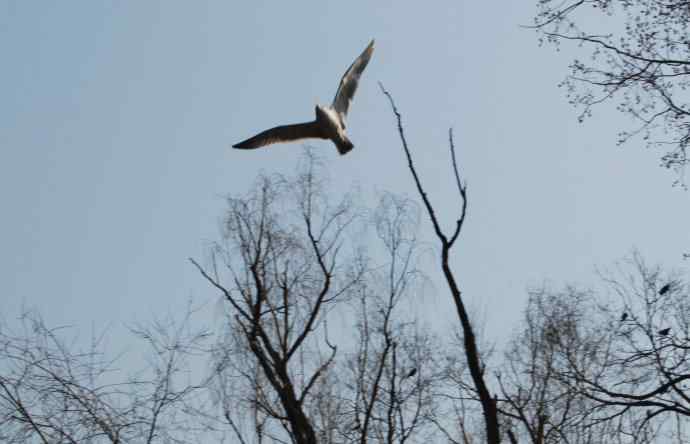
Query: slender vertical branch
(471,351)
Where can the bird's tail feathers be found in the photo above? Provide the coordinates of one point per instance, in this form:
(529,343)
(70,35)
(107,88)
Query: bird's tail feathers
(344,146)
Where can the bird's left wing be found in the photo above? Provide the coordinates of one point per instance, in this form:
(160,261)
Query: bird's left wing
(348,84)
(284,133)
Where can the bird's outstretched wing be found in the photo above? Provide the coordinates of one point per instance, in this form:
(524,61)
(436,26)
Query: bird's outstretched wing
(284,133)
(348,84)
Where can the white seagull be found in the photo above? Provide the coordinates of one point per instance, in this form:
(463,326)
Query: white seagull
(330,120)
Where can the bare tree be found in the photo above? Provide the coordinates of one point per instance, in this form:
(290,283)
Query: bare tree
(284,265)
(538,403)
(52,393)
(642,362)
(597,367)
(447,241)
(393,372)
(382,385)
(640,59)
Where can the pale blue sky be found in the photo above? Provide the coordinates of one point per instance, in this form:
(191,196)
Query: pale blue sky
(116,120)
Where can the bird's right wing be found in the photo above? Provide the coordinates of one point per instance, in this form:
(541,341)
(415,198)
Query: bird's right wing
(350,80)
(285,133)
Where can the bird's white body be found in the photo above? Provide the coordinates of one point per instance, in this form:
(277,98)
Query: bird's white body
(333,126)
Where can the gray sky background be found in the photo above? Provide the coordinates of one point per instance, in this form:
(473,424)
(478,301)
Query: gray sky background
(116,120)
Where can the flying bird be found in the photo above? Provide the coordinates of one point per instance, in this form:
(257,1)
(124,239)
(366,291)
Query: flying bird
(330,120)
(665,289)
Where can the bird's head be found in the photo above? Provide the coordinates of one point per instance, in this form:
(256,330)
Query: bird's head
(321,113)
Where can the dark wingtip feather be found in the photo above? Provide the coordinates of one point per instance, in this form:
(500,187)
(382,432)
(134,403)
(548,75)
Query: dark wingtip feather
(244,145)
(370,48)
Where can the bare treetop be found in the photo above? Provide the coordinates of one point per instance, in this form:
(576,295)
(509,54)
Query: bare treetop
(640,60)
